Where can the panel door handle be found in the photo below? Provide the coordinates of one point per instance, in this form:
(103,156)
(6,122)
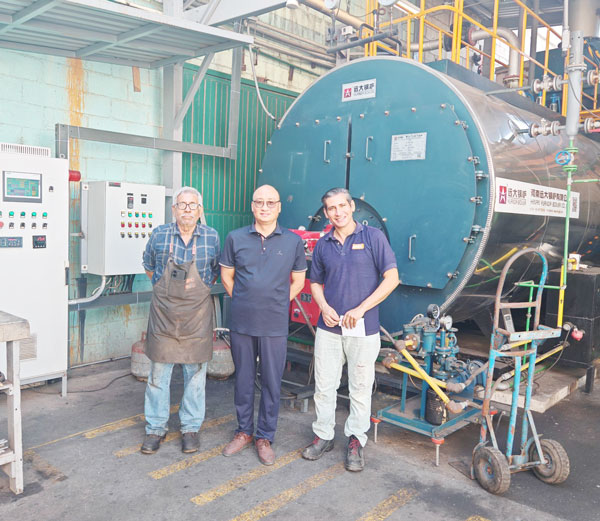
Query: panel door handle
(367,157)
(325,145)
(411,257)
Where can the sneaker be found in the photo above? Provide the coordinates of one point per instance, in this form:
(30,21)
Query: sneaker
(239,442)
(355,460)
(190,442)
(317,448)
(265,452)
(152,443)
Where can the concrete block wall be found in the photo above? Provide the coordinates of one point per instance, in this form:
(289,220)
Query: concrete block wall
(38,91)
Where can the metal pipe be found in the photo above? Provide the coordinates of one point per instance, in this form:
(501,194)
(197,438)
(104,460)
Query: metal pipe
(513,57)
(271,40)
(566,35)
(336,14)
(269,30)
(575,70)
(270,45)
(533,43)
(361,41)
(95,294)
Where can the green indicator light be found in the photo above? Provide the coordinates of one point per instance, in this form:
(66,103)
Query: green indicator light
(33,214)
(11,214)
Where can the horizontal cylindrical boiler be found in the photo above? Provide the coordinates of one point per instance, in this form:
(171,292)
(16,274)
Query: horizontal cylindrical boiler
(449,173)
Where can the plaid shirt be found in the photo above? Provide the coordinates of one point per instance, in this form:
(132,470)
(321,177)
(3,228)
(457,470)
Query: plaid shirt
(208,251)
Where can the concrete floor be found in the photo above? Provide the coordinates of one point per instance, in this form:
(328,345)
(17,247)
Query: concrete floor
(83,463)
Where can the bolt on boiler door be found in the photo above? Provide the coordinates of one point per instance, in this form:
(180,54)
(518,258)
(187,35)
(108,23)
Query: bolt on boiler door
(415,171)
(304,160)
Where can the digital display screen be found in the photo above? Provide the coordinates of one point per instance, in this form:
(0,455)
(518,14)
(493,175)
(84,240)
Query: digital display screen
(22,187)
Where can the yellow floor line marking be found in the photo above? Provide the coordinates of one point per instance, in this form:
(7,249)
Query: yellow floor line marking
(478,518)
(186,463)
(244,479)
(291,494)
(388,506)
(42,467)
(174,408)
(175,435)
(121,424)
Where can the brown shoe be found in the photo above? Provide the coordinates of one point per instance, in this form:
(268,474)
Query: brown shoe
(265,452)
(239,442)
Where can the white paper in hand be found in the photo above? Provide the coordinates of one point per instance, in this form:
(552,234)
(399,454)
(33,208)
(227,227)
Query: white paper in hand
(358,330)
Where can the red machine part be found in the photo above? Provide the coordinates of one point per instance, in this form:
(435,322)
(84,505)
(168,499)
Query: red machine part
(305,296)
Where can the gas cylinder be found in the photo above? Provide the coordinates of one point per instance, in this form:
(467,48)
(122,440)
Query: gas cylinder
(140,363)
(221,366)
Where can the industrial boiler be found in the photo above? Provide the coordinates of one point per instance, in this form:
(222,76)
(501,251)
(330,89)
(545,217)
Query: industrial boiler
(450,173)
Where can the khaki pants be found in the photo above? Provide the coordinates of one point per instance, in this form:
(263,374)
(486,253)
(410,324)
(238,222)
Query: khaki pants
(331,353)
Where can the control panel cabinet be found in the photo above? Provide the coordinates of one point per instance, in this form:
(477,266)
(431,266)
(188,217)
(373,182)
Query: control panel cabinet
(34,253)
(120,219)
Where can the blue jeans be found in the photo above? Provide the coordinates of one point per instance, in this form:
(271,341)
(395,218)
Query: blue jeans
(157,402)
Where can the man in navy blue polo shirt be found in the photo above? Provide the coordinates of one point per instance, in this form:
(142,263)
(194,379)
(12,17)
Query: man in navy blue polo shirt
(256,266)
(353,270)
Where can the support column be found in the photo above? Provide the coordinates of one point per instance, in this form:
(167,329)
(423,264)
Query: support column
(172,101)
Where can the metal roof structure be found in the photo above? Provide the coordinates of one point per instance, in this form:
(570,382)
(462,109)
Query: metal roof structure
(110,32)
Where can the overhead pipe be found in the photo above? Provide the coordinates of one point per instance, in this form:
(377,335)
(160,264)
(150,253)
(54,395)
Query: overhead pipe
(512,80)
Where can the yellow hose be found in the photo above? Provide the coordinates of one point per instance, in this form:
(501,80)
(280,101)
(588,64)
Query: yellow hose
(425,376)
(412,372)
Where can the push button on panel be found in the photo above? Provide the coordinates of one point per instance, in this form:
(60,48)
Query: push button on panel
(45,215)
(11,214)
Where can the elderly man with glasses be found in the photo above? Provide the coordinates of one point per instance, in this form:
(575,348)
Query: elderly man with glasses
(181,259)
(256,266)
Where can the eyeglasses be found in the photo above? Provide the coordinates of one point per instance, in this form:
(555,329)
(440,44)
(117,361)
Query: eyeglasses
(260,203)
(183,206)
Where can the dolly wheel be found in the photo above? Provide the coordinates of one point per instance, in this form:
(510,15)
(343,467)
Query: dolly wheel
(491,470)
(557,468)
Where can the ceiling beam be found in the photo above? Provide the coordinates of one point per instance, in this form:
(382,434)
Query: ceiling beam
(22,16)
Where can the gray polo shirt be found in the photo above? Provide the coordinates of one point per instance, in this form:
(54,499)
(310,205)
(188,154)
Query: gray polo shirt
(261,288)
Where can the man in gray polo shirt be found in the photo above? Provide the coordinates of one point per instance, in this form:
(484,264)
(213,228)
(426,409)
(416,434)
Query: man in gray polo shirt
(256,266)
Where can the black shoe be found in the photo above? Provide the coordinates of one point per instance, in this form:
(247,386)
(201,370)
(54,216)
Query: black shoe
(355,460)
(190,442)
(151,443)
(317,448)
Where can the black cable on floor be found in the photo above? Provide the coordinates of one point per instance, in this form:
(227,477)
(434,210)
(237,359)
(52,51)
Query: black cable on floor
(83,390)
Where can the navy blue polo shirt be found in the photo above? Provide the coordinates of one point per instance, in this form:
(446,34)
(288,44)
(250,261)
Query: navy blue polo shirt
(352,271)
(261,285)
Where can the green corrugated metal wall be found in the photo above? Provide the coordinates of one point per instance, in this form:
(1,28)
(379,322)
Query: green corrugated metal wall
(227,185)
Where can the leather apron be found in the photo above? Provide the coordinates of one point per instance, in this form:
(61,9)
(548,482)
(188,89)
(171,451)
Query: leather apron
(180,326)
